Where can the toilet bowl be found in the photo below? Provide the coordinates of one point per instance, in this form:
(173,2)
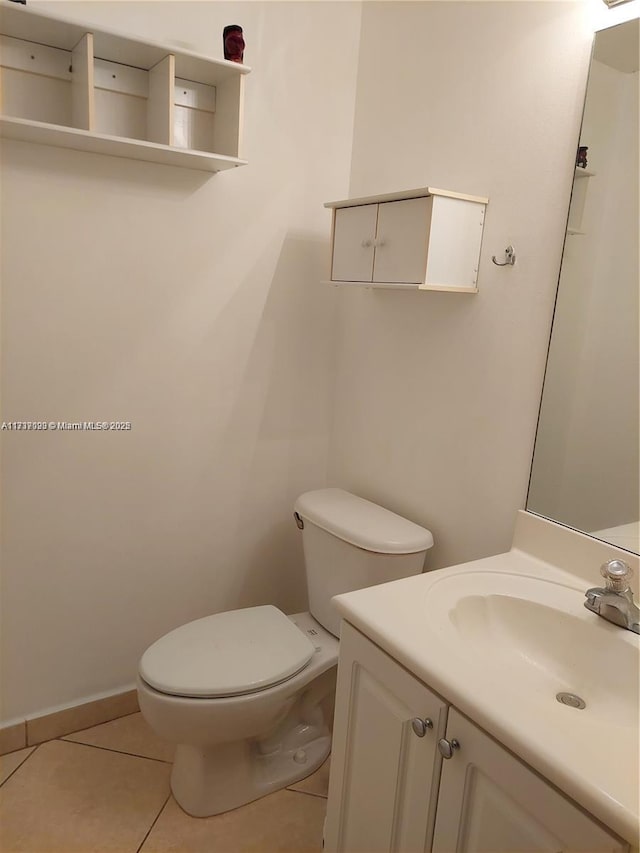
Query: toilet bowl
(247,694)
(235,748)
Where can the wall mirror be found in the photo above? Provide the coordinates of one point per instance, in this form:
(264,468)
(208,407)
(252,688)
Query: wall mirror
(586,470)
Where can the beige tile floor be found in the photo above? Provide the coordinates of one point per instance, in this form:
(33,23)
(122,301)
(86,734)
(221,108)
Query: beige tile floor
(107,789)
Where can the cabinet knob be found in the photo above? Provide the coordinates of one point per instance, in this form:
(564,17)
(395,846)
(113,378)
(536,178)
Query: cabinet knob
(448,747)
(366,244)
(420,726)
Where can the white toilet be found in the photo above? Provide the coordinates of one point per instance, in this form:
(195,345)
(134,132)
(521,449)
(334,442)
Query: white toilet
(244,694)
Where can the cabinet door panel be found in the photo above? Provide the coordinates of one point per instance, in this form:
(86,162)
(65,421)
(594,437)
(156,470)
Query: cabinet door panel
(490,802)
(355,227)
(401,240)
(382,773)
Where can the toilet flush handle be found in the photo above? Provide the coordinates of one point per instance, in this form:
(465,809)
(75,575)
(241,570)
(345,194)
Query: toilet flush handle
(299,520)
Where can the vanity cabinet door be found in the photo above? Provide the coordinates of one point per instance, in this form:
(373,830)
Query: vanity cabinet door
(383,773)
(490,802)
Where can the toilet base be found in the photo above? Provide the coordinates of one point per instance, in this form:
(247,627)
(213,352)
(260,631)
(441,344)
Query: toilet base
(206,781)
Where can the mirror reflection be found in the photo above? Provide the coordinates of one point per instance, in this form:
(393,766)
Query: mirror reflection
(585,471)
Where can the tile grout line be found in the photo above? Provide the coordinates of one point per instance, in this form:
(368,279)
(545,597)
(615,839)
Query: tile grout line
(22,763)
(67,739)
(308,793)
(77,731)
(157,817)
(95,725)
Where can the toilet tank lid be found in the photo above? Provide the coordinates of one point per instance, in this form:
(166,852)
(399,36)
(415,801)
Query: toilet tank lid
(362,523)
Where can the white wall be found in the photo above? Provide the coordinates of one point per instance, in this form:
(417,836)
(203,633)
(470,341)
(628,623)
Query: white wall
(586,460)
(438,393)
(191,306)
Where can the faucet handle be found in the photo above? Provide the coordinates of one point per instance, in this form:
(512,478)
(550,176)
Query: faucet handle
(617,574)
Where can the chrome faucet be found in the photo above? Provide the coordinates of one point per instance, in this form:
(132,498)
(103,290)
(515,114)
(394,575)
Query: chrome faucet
(615,602)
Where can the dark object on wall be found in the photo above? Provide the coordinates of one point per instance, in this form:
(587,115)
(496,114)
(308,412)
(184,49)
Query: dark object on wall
(581,159)
(233,43)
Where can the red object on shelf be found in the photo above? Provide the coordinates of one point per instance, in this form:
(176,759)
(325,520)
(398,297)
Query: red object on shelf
(233,43)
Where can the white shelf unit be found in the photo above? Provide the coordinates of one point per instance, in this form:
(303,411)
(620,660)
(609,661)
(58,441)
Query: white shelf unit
(78,87)
(578,199)
(421,239)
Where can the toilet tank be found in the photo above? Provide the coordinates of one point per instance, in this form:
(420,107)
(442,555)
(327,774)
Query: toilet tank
(350,543)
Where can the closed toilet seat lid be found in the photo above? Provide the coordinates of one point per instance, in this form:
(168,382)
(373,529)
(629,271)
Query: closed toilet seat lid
(240,651)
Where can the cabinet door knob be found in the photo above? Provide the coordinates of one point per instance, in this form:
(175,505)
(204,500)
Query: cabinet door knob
(420,726)
(447,747)
(366,244)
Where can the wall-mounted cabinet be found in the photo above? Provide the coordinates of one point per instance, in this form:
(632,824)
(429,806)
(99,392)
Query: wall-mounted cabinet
(424,239)
(578,200)
(78,87)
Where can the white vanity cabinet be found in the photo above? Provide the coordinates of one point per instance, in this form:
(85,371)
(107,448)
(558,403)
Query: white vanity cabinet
(89,89)
(490,801)
(391,789)
(424,239)
(383,775)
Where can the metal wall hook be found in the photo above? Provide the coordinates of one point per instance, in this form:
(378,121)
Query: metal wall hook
(510,255)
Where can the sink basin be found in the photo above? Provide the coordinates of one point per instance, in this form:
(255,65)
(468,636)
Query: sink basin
(536,637)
